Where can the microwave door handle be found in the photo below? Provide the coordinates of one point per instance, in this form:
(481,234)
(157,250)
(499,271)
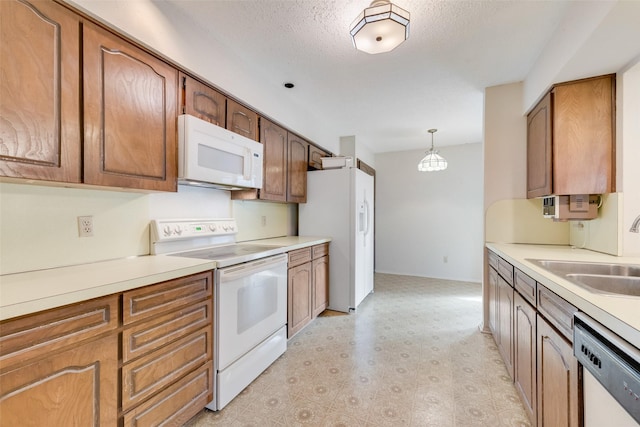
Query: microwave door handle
(248,159)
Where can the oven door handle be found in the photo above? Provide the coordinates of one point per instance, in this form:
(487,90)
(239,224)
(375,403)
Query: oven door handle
(242,270)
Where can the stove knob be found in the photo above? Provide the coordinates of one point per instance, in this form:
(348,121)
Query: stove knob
(166,231)
(225,227)
(231,227)
(212,227)
(178,230)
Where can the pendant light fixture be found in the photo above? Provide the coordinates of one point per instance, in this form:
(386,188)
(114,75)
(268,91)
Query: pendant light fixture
(432,162)
(380,28)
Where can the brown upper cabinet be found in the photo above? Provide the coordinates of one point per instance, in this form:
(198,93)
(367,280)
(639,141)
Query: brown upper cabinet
(284,169)
(127,103)
(203,101)
(571,139)
(242,120)
(297,169)
(130,110)
(206,103)
(274,182)
(40,92)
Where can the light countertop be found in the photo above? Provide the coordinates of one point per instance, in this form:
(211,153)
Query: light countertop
(30,292)
(291,242)
(619,313)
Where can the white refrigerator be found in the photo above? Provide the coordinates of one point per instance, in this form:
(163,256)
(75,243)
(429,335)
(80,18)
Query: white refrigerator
(340,205)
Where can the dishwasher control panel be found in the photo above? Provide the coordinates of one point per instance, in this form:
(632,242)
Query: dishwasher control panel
(611,360)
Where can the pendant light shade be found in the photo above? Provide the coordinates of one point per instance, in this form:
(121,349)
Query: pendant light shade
(380,28)
(432,162)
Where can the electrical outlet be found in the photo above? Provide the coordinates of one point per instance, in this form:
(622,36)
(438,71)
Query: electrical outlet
(85,226)
(264,220)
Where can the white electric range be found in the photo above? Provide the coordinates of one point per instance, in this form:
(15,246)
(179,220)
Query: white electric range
(250,297)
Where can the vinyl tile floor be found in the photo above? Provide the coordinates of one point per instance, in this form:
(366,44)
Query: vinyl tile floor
(412,355)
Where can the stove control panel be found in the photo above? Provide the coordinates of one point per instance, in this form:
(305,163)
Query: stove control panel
(179,229)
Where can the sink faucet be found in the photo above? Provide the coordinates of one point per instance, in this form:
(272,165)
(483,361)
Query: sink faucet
(635,227)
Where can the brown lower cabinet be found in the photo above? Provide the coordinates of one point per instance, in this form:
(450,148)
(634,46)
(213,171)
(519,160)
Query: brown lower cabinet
(60,367)
(505,323)
(524,354)
(320,278)
(558,386)
(308,286)
(92,363)
(542,364)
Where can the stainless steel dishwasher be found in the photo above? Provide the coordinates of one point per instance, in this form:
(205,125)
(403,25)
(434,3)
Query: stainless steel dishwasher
(611,375)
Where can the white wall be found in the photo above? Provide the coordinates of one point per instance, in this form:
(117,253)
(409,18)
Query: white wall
(595,38)
(505,149)
(423,218)
(39,230)
(351,148)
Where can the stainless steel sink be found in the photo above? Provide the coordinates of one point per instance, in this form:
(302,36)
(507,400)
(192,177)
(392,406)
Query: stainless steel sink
(608,278)
(622,285)
(601,268)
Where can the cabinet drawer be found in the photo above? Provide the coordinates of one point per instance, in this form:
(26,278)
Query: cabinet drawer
(525,285)
(299,256)
(148,336)
(506,271)
(155,300)
(152,373)
(176,404)
(318,251)
(44,332)
(493,260)
(557,311)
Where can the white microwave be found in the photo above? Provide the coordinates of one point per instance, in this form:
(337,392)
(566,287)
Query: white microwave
(212,156)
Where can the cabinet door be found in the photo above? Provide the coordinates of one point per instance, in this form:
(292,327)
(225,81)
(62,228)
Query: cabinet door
(583,137)
(242,120)
(77,387)
(557,379)
(297,169)
(299,298)
(39,92)
(505,323)
(524,350)
(493,303)
(130,111)
(274,183)
(539,161)
(320,269)
(203,101)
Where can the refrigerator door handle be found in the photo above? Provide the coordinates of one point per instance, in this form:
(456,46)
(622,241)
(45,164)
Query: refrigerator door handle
(368,216)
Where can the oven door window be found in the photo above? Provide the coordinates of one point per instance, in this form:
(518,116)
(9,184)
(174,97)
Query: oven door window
(257,300)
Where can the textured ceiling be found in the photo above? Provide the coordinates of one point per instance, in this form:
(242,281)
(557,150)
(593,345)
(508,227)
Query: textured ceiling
(388,101)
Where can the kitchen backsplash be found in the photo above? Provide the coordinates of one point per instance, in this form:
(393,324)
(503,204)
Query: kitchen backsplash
(39,225)
(521,221)
(601,234)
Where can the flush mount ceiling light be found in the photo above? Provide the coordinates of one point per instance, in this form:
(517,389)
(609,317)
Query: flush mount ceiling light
(380,28)
(432,162)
